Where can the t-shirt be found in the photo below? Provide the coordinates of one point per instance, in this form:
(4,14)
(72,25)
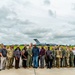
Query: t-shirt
(73,52)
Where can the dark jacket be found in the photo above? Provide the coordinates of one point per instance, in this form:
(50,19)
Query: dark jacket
(42,52)
(4,52)
(25,54)
(35,51)
(17,52)
(49,54)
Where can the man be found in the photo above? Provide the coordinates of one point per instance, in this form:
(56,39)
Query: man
(3,54)
(71,58)
(74,55)
(29,61)
(49,57)
(35,53)
(54,54)
(12,59)
(42,57)
(58,57)
(67,57)
(63,58)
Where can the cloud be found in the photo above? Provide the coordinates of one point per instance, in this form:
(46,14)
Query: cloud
(73,6)
(51,13)
(23,20)
(64,36)
(73,23)
(35,32)
(47,2)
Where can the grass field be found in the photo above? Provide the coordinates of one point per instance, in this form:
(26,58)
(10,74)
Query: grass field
(21,47)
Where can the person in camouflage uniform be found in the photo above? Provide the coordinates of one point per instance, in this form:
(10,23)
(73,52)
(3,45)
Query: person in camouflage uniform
(63,59)
(58,57)
(29,60)
(54,54)
(71,58)
(67,57)
(10,52)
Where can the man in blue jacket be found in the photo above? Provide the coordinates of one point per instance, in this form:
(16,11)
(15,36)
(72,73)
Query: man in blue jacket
(35,53)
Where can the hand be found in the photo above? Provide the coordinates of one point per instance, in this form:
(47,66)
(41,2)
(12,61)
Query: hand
(1,55)
(40,55)
(16,58)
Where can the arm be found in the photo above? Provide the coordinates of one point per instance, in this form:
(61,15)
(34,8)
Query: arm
(1,55)
(23,54)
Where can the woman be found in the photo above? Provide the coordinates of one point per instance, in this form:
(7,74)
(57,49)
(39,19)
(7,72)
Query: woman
(17,54)
(24,57)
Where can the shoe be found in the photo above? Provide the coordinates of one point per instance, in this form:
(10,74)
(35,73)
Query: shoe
(3,69)
(36,67)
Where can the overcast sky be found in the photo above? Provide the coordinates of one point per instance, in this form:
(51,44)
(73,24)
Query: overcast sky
(49,21)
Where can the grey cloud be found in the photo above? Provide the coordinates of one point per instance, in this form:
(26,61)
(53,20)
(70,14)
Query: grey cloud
(73,6)
(25,2)
(62,36)
(47,2)
(4,13)
(4,22)
(36,32)
(20,22)
(73,22)
(26,22)
(20,25)
(51,13)
(36,36)
(7,22)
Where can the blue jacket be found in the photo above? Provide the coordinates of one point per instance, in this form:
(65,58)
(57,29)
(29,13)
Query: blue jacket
(35,51)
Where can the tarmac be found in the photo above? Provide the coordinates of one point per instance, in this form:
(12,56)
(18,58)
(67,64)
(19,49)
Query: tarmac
(38,71)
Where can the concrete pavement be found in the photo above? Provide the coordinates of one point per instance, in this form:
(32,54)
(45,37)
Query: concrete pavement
(45,71)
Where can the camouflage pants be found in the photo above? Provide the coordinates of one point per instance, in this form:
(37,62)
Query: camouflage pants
(64,62)
(29,61)
(58,62)
(72,62)
(54,62)
(67,62)
(9,62)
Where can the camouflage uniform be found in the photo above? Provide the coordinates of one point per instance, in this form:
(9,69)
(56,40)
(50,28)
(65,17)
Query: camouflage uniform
(29,60)
(67,57)
(9,58)
(54,60)
(63,58)
(58,57)
(71,59)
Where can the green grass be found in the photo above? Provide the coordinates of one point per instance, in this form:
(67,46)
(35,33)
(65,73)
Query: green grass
(21,47)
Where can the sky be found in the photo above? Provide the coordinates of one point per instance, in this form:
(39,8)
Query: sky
(49,21)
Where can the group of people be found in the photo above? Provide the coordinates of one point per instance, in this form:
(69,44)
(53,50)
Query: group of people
(33,56)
